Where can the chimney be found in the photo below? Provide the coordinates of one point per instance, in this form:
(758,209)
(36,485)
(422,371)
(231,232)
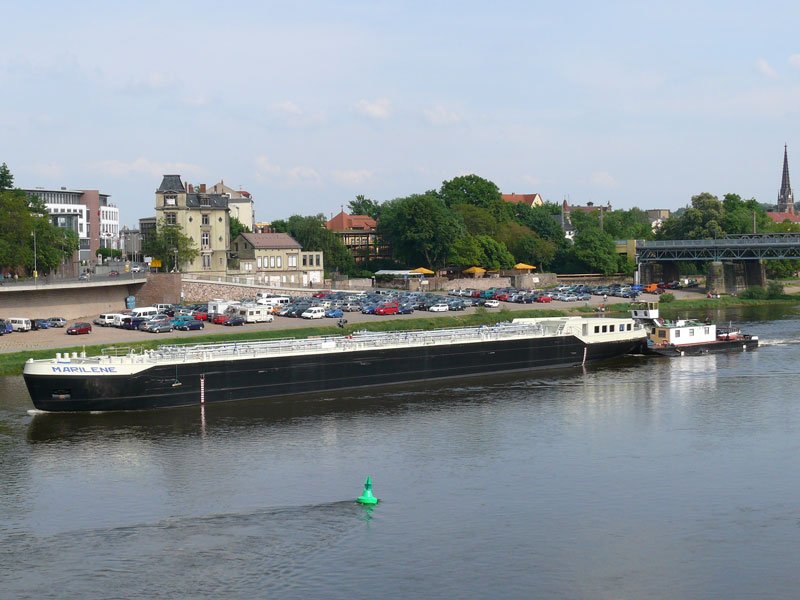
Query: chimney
(202,188)
(191,188)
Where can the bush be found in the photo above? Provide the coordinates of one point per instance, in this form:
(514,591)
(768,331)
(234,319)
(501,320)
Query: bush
(666,298)
(755,293)
(774,289)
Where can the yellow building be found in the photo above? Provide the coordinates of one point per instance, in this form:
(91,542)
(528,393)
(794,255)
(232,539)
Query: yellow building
(203,216)
(277,259)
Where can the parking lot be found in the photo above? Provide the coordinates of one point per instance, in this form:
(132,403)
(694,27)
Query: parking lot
(57,338)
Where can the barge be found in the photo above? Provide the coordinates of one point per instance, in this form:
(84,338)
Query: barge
(120,379)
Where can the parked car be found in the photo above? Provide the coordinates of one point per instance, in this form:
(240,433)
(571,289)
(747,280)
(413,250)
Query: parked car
(113,273)
(57,322)
(544,298)
(190,325)
(234,321)
(386,309)
(40,324)
(162,327)
(6,326)
(492,303)
(313,312)
(334,313)
(219,318)
(79,328)
(136,269)
(440,307)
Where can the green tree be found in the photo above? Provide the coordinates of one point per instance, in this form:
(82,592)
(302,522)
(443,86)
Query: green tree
(526,245)
(6,178)
(466,251)
(744,216)
(477,220)
(164,243)
(364,206)
(471,189)
(596,250)
(543,220)
(420,229)
(701,221)
(235,227)
(633,224)
(311,233)
(496,254)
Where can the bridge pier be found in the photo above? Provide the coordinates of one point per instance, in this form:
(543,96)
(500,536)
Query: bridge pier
(733,277)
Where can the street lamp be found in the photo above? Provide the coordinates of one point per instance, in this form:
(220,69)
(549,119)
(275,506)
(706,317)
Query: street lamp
(175,264)
(35,270)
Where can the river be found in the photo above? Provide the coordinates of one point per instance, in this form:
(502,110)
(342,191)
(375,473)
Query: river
(641,478)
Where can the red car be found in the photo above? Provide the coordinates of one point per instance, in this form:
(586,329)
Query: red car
(79,328)
(219,318)
(386,309)
(544,299)
(200,315)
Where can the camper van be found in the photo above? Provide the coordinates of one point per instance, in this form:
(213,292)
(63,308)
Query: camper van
(106,319)
(255,313)
(220,307)
(20,324)
(272,301)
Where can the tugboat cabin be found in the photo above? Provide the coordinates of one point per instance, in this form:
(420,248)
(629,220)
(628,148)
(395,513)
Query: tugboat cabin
(681,333)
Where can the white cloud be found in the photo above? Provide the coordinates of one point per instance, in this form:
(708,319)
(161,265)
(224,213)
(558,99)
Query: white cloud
(439,115)
(302,175)
(603,179)
(265,169)
(352,177)
(51,170)
(794,60)
(145,166)
(379,109)
(766,69)
(288,107)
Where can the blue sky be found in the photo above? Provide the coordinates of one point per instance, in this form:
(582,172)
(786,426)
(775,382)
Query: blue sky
(308,104)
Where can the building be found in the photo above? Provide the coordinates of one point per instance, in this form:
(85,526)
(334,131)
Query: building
(202,216)
(97,222)
(131,243)
(240,203)
(360,236)
(530,200)
(785,196)
(567,209)
(277,259)
(657,217)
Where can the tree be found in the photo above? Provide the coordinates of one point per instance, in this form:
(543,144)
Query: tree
(542,220)
(466,251)
(744,216)
(477,220)
(420,229)
(702,221)
(496,255)
(6,178)
(526,245)
(470,189)
(164,243)
(364,206)
(633,224)
(596,250)
(311,233)
(235,227)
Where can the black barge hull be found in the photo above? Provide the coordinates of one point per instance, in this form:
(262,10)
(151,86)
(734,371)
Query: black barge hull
(270,377)
(739,345)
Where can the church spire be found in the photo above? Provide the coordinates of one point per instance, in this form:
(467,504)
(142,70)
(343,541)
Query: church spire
(785,197)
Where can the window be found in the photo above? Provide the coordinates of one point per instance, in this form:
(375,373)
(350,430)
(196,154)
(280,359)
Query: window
(597,328)
(259,262)
(170,200)
(706,330)
(205,220)
(271,262)
(305,260)
(205,239)
(662,333)
(611,328)
(691,332)
(206,261)
(171,218)
(291,260)
(278,262)
(605,328)
(318,257)
(677,333)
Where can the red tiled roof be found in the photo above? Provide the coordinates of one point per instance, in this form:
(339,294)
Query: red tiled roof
(780,217)
(345,222)
(528,199)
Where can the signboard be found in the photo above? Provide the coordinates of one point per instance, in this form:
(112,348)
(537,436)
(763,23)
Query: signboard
(155,263)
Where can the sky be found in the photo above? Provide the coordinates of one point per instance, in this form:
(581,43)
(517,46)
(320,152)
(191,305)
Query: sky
(308,104)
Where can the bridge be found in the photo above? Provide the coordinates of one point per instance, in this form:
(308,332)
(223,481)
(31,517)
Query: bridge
(736,261)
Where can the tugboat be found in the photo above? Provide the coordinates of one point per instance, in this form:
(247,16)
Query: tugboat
(687,337)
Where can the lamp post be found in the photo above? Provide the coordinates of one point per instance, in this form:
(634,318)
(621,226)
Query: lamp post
(35,269)
(175,264)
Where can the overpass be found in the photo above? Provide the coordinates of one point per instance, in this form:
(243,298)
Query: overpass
(736,261)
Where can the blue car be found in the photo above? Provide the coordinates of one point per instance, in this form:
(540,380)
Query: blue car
(190,325)
(334,313)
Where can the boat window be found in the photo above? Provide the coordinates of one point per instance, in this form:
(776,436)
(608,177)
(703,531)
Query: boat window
(691,332)
(677,333)
(585,329)
(662,333)
(706,330)
(597,328)
(605,328)
(611,328)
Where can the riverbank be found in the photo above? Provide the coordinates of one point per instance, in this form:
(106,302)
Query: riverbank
(44,344)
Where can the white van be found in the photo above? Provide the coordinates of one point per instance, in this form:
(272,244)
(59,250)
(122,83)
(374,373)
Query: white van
(164,307)
(255,314)
(145,312)
(106,319)
(315,312)
(20,324)
(273,301)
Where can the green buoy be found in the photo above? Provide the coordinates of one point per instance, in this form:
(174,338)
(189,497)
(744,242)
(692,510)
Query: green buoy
(367,497)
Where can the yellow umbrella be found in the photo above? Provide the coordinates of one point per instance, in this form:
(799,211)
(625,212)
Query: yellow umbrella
(523,266)
(422,271)
(474,270)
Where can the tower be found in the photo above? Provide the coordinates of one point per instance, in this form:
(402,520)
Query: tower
(785,197)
